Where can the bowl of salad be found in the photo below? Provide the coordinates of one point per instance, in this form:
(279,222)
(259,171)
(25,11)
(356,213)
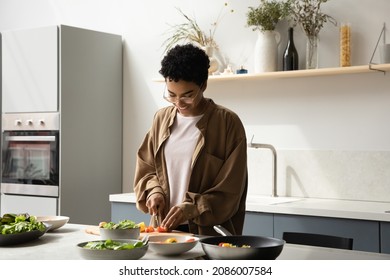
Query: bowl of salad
(118,249)
(126,229)
(20,228)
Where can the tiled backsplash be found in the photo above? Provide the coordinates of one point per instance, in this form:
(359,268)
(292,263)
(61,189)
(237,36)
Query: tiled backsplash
(352,175)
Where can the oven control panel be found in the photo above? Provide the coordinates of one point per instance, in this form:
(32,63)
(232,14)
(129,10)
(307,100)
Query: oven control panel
(31,121)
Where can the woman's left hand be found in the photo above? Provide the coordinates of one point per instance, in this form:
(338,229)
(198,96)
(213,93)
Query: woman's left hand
(174,218)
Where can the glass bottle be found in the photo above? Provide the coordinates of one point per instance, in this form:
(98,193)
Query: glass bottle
(290,56)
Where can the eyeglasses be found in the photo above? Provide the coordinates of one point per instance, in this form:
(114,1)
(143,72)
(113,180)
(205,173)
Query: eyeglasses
(174,99)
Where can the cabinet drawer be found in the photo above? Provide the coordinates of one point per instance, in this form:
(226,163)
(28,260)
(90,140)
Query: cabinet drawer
(365,234)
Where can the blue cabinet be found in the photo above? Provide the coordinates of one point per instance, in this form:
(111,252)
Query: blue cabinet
(259,224)
(385,237)
(366,234)
(127,211)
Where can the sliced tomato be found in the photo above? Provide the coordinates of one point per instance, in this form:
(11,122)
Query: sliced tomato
(161,229)
(149,229)
(190,240)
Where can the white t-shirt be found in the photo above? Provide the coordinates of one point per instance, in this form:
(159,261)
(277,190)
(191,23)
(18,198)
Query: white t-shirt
(179,149)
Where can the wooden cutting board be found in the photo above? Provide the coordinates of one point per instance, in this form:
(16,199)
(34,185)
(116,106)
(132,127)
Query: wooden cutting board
(95,231)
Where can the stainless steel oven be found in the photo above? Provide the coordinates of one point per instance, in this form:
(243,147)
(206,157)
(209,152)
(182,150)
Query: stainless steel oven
(30,163)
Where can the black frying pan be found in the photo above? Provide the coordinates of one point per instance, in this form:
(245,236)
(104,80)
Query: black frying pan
(261,248)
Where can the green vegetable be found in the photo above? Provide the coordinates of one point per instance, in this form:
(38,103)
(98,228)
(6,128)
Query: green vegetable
(18,223)
(112,245)
(125,224)
(7,219)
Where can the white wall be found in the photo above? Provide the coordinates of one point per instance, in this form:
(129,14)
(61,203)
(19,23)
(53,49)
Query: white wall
(319,125)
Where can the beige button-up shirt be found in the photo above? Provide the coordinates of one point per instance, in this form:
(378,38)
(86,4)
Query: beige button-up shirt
(218,185)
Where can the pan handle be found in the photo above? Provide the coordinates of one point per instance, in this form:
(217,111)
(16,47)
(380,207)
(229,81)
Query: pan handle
(222,231)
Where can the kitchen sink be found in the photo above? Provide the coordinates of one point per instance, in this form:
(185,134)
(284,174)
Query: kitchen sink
(270,200)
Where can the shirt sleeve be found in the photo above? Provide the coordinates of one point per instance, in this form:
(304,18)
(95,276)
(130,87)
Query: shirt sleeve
(146,182)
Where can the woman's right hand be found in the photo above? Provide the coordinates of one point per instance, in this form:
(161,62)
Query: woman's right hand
(156,204)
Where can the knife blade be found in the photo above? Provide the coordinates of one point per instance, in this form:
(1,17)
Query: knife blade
(155,221)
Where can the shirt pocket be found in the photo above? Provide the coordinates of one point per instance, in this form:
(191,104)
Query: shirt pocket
(209,169)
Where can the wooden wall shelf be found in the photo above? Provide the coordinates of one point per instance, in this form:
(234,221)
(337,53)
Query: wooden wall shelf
(299,73)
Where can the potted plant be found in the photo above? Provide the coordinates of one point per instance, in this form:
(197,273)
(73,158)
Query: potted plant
(264,19)
(308,14)
(266,16)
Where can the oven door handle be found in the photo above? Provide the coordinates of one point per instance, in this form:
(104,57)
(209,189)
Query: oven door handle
(31,138)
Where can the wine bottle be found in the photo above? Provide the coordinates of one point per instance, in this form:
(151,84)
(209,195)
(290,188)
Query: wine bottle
(290,56)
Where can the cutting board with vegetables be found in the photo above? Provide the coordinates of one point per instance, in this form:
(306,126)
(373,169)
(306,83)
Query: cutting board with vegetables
(95,231)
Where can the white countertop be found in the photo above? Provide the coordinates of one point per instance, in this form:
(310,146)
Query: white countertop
(61,245)
(349,209)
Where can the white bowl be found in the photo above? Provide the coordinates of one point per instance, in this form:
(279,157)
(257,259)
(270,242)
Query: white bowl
(184,244)
(131,254)
(55,222)
(129,233)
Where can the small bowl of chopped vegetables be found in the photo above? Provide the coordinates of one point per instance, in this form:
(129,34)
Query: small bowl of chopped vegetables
(172,244)
(119,249)
(125,229)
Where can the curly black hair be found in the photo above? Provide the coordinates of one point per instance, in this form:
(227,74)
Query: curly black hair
(186,62)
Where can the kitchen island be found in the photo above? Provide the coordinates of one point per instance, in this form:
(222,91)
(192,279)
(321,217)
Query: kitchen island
(367,222)
(61,245)
(347,209)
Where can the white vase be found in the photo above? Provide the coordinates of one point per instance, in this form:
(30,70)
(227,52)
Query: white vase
(266,51)
(214,63)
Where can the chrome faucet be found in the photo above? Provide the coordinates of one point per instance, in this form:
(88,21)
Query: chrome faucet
(272,148)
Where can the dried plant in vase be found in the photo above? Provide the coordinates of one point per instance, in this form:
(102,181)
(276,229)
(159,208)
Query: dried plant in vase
(190,31)
(308,14)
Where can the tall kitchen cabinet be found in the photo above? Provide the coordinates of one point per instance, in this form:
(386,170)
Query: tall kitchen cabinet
(76,73)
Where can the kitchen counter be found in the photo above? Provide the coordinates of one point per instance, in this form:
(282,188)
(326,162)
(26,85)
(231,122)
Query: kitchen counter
(348,209)
(61,245)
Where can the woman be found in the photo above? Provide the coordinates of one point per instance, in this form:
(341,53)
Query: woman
(192,165)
